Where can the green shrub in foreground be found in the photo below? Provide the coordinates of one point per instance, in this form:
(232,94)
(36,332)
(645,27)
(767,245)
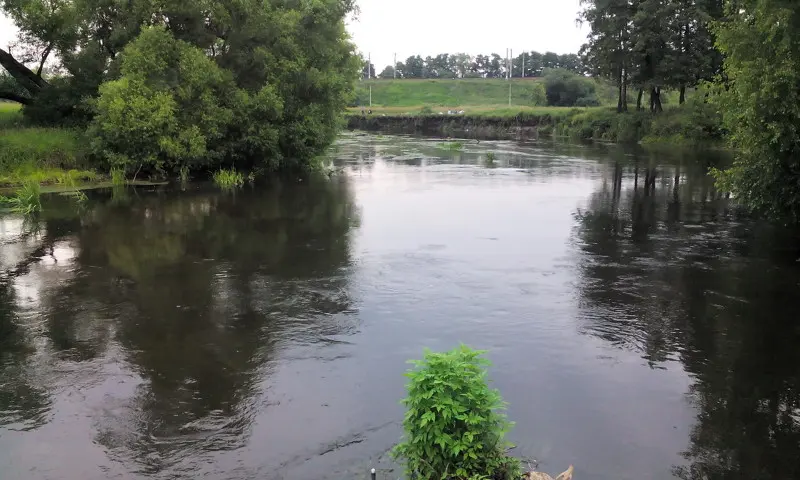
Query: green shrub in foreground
(453,425)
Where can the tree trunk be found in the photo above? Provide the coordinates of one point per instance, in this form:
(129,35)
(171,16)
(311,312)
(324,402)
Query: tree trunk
(625,91)
(15,98)
(639,100)
(620,87)
(683,94)
(655,100)
(22,74)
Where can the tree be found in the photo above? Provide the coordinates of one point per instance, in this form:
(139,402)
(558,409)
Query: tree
(299,49)
(415,67)
(367,69)
(761,104)
(567,89)
(607,51)
(387,72)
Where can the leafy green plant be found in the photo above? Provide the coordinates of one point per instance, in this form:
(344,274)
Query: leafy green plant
(26,200)
(118,177)
(454,428)
(228,179)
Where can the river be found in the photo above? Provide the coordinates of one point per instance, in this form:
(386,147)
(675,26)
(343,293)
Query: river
(638,325)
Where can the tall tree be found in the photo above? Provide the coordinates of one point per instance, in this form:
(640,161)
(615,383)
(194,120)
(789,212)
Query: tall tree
(761,104)
(608,50)
(415,67)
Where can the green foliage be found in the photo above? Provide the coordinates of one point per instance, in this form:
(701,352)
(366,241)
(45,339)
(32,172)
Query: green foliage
(567,89)
(761,106)
(26,200)
(118,177)
(228,179)
(183,174)
(258,83)
(453,425)
(452,146)
(170,105)
(10,115)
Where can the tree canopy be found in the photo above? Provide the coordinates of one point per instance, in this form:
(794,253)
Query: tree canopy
(761,102)
(256,83)
(651,45)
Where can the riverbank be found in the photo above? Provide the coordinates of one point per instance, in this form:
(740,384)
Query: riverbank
(40,155)
(691,124)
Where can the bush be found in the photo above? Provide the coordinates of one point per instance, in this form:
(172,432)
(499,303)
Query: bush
(567,89)
(171,107)
(453,425)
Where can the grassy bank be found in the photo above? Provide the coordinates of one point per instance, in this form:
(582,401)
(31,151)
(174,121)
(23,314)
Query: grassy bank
(434,92)
(40,155)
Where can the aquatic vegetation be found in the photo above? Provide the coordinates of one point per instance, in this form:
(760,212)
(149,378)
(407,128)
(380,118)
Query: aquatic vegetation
(453,425)
(228,178)
(490,159)
(118,177)
(453,146)
(26,200)
(183,174)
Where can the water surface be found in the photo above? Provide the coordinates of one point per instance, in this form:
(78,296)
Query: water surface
(639,327)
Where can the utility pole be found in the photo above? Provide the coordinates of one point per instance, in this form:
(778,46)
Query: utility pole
(370,96)
(394,73)
(506,64)
(510,64)
(369,66)
(523,64)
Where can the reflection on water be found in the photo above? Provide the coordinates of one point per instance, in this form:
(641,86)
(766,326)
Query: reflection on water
(640,327)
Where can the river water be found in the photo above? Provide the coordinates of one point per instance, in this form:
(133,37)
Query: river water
(639,327)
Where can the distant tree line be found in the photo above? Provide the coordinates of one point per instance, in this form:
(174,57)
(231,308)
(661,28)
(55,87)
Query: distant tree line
(651,45)
(463,65)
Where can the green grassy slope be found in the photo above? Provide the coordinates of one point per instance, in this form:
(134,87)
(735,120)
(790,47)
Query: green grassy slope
(443,93)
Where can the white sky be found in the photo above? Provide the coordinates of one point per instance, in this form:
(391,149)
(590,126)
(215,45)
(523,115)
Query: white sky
(429,27)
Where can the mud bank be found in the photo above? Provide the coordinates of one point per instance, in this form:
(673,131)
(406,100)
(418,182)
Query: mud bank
(462,126)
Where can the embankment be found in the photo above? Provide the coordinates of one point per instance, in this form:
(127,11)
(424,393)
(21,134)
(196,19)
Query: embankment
(521,127)
(695,124)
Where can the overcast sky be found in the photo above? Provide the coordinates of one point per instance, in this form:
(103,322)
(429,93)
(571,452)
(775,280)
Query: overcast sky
(428,27)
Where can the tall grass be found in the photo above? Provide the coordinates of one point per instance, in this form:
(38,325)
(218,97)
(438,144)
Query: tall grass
(10,115)
(26,200)
(118,177)
(42,155)
(228,179)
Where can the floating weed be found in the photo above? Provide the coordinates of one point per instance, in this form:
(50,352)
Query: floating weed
(453,146)
(228,179)
(490,159)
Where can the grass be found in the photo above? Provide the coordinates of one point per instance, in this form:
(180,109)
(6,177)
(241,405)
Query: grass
(228,179)
(41,155)
(446,92)
(118,177)
(26,200)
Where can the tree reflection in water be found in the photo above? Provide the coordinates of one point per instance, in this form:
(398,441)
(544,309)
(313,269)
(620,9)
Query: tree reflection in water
(193,294)
(669,270)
